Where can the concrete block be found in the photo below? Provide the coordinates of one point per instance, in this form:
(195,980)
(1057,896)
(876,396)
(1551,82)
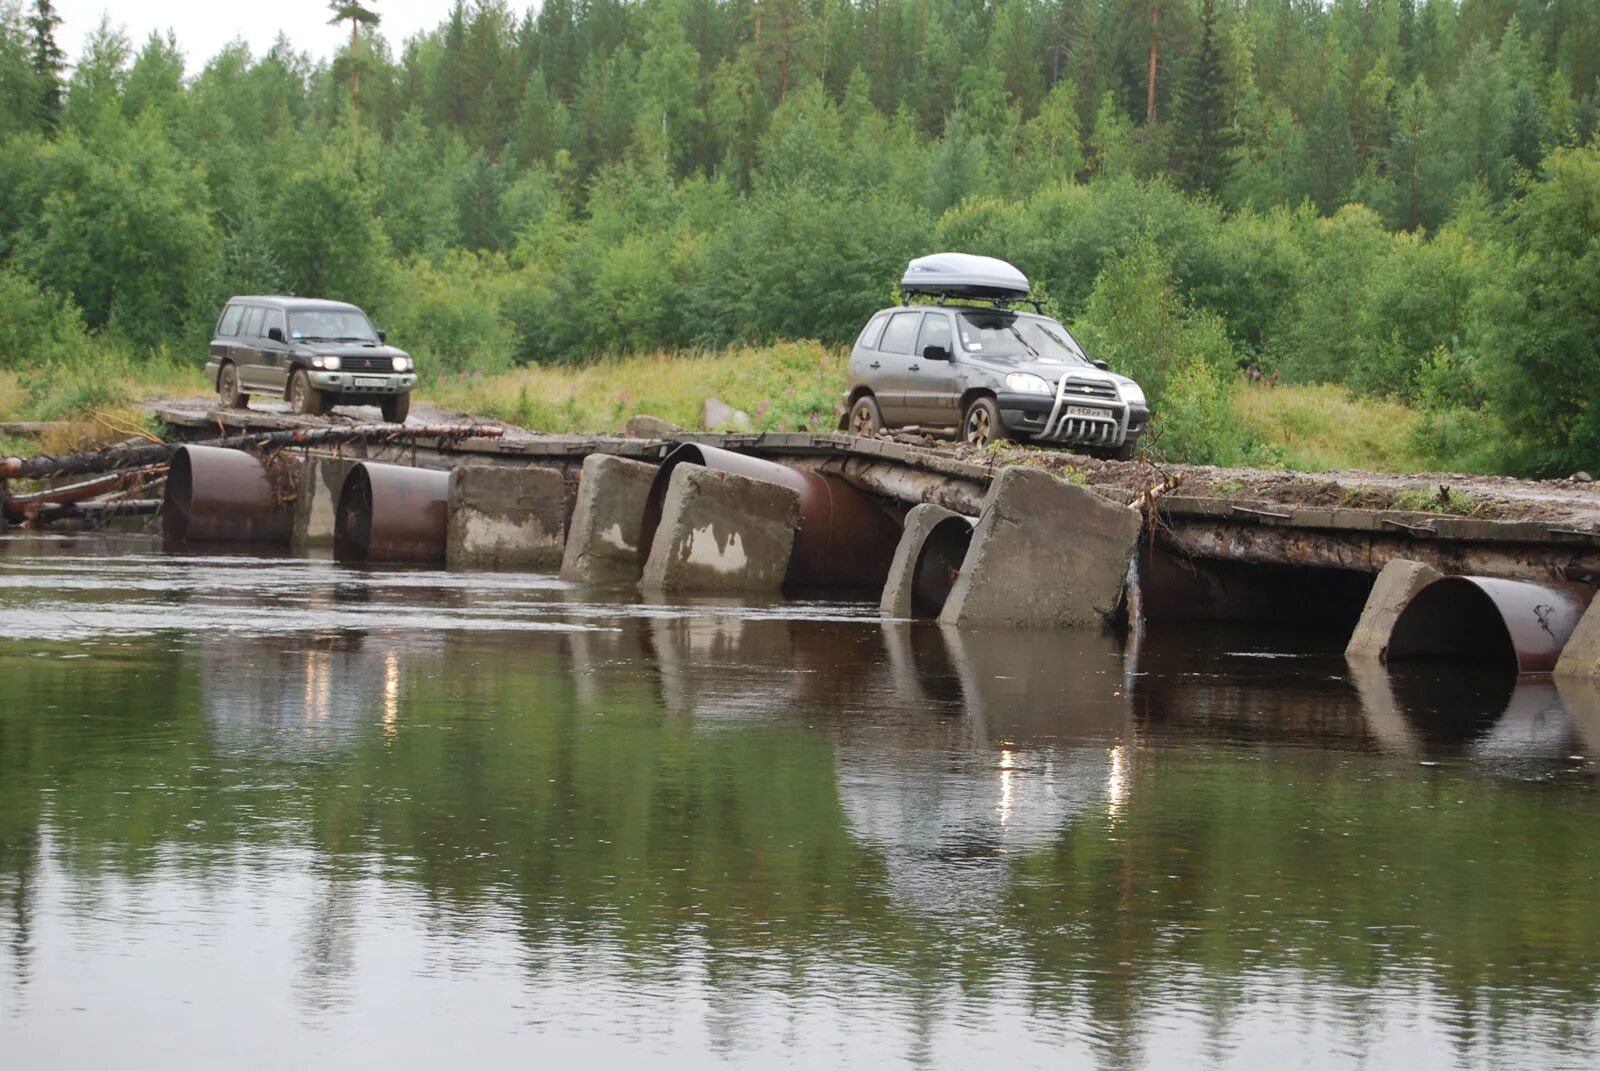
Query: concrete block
(1046,553)
(506,518)
(721,534)
(1397,584)
(645,426)
(936,561)
(1580,658)
(603,538)
(321,480)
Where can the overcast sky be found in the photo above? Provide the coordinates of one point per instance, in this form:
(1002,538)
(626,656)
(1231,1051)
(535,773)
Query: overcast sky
(204,26)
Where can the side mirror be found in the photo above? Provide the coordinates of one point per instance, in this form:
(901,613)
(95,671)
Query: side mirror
(383,336)
(275,334)
(936,353)
(1104,366)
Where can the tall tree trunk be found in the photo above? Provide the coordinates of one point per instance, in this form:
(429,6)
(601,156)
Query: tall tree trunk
(1150,83)
(355,88)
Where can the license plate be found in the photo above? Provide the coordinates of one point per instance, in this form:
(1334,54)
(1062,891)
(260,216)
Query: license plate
(371,381)
(1086,410)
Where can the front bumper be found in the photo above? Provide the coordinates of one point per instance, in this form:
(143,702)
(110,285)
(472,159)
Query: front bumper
(360,383)
(1044,418)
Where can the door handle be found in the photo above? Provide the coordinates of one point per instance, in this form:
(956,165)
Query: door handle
(916,368)
(874,364)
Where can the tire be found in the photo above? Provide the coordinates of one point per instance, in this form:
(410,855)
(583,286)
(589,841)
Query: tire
(981,426)
(228,391)
(395,408)
(866,419)
(1126,452)
(303,397)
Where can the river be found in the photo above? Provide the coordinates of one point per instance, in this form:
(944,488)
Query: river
(269,812)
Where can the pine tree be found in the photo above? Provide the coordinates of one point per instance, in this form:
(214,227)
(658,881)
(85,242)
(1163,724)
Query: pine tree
(1205,129)
(48,63)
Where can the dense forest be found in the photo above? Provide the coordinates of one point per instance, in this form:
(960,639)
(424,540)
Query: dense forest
(1401,196)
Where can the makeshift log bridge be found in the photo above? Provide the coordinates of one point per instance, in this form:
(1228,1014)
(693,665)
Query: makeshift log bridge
(934,533)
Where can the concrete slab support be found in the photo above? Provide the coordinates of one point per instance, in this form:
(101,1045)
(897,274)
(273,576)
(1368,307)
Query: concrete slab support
(506,518)
(1046,553)
(721,534)
(603,538)
(1396,586)
(921,523)
(1580,658)
(321,480)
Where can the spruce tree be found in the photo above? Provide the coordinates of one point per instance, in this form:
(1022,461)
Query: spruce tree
(1205,129)
(48,63)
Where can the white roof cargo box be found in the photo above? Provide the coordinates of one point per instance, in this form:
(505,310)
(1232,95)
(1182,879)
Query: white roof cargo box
(964,275)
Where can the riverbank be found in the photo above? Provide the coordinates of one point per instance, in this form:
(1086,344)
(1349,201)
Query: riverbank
(785,387)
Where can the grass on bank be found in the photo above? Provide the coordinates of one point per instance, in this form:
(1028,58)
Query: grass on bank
(785,387)
(800,386)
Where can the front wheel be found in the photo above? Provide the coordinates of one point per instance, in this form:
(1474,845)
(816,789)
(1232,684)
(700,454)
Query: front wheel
(395,408)
(228,391)
(865,417)
(1126,452)
(982,425)
(303,397)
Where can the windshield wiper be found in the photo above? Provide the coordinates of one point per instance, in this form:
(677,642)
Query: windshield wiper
(1025,344)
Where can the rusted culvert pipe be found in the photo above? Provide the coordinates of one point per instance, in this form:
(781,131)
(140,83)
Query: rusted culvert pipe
(1513,623)
(846,538)
(391,513)
(223,496)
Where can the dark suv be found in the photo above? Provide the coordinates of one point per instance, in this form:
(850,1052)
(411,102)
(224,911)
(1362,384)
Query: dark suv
(314,353)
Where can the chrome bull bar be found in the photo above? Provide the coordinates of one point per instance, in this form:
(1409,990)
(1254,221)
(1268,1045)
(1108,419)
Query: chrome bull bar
(1111,429)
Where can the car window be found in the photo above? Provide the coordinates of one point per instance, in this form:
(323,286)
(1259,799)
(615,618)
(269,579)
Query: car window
(229,324)
(935,332)
(252,320)
(902,329)
(871,333)
(273,319)
(332,325)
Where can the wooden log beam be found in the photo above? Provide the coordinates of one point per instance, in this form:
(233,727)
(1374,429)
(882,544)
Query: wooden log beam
(125,457)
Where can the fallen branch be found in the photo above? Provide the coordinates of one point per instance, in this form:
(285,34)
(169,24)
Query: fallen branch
(16,505)
(126,457)
(97,512)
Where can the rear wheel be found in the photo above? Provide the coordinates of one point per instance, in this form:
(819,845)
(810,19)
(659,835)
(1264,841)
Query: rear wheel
(865,417)
(303,397)
(395,408)
(228,388)
(982,425)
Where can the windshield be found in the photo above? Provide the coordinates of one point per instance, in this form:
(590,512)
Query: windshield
(1023,338)
(331,325)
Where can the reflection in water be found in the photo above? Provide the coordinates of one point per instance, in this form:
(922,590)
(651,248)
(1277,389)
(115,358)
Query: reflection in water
(408,817)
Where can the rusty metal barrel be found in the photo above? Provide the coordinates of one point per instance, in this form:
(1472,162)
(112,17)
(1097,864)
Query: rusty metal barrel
(1517,624)
(391,513)
(846,538)
(215,495)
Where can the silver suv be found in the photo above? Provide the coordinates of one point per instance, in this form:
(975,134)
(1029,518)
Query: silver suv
(988,371)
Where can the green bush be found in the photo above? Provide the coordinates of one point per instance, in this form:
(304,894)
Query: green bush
(35,327)
(450,319)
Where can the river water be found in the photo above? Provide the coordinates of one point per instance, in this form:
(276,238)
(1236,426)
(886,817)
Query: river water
(261,813)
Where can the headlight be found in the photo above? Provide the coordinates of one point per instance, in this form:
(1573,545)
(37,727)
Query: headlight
(402,364)
(1026,383)
(330,363)
(1132,393)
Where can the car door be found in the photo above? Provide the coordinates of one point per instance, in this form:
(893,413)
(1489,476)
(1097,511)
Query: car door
(932,385)
(225,340)
(274,356)
(247,349)
(890,366)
